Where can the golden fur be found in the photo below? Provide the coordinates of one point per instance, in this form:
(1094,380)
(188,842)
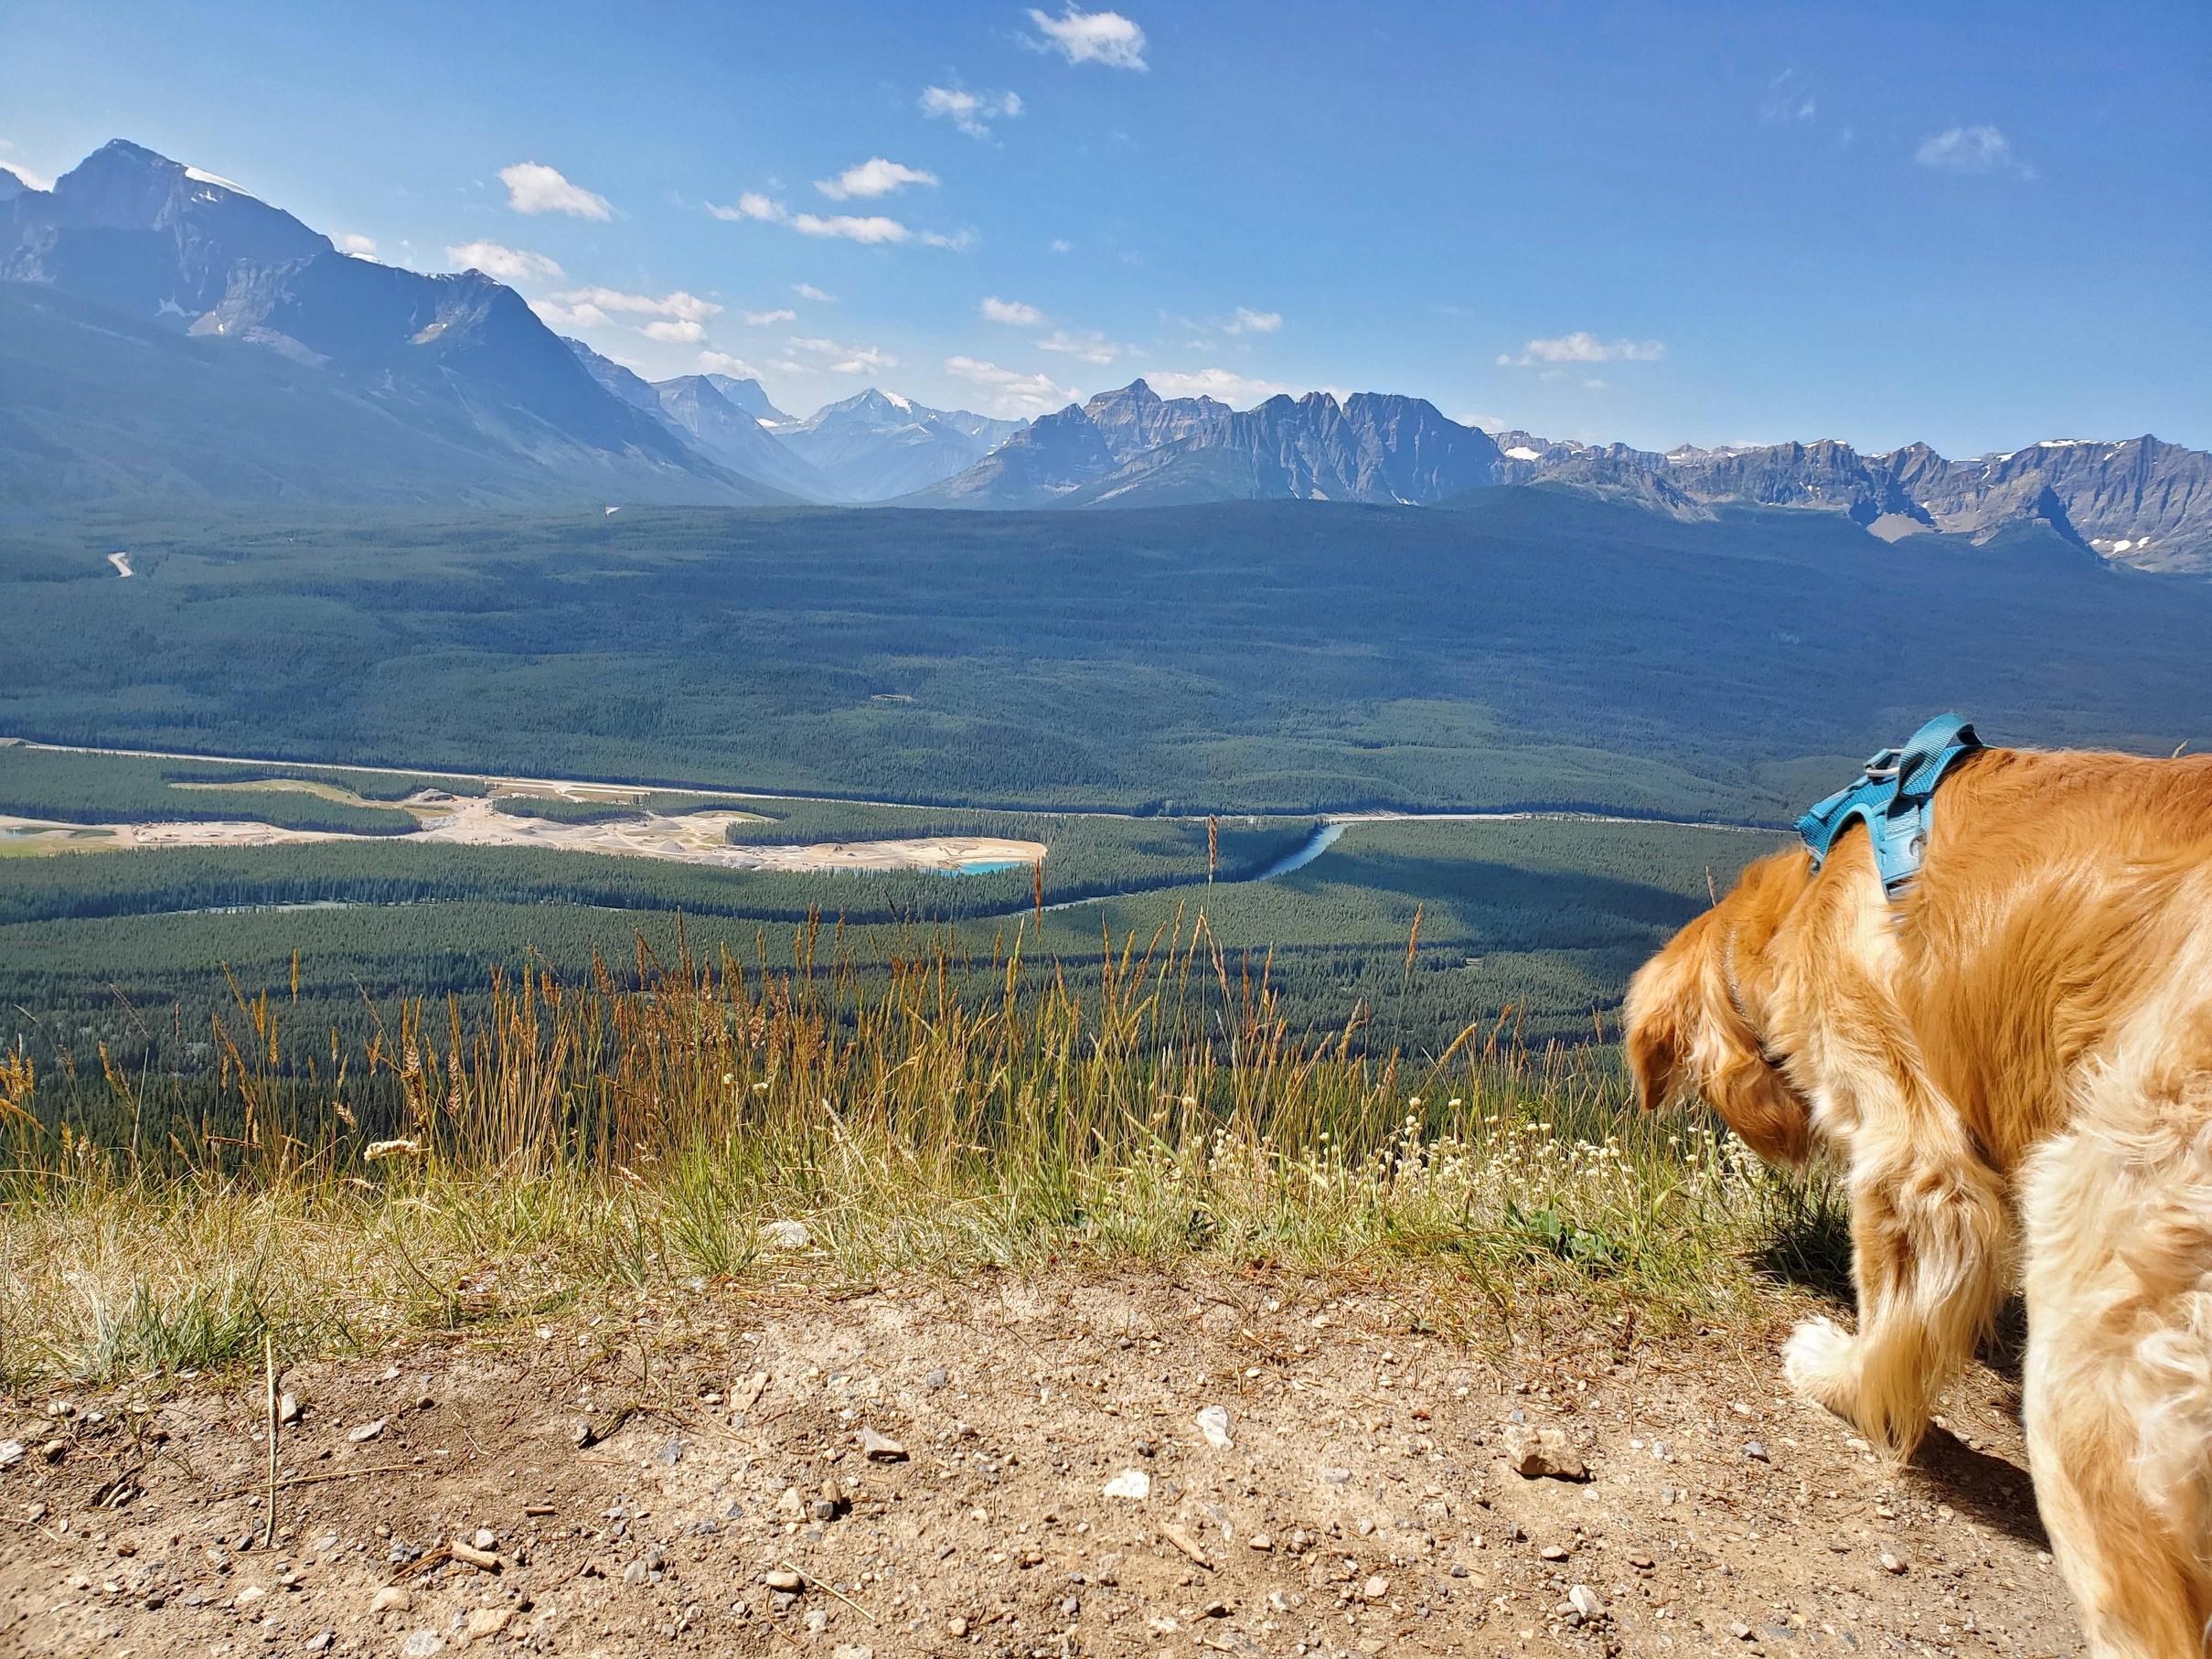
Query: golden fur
(2013,1060)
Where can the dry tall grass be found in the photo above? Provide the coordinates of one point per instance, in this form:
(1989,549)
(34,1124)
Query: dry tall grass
(581,1138)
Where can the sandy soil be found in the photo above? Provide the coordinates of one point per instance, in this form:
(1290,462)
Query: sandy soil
(690,837)
(697,1478)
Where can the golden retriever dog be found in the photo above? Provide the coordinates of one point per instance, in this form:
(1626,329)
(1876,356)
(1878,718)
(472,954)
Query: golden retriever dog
(2011,1056)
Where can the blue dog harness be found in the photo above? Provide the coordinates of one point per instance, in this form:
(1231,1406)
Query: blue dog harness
(1896,800)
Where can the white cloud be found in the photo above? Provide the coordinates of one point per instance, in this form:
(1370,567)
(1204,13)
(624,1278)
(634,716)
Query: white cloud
(1787,99)
(1060,244)
(507,264)
(750,204)
(872,229)
(1224,383)
(1248,321)
(1010,391)
(1982,149)
(355,243)
(762,319)
(1581,346)
(561,314)
(534,187)
(1107,37)
(970,112)
(679,331)
(851,359)
(721,362)
(1012,312)
(30,180)
(679,305)
(872,178)
(1087,345)
(807,290)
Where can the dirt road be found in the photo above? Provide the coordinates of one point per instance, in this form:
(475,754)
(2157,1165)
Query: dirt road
(1012,1468)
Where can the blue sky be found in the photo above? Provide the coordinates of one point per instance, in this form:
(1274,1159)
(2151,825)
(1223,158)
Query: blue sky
(1977,225)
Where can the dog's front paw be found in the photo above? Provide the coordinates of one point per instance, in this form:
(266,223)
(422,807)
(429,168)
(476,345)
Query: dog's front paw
(1821,1361)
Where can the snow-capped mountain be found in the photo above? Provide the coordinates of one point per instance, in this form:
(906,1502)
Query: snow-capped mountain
(878,446)
(458,361)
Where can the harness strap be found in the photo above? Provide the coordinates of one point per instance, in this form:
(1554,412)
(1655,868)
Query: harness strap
(1895,798)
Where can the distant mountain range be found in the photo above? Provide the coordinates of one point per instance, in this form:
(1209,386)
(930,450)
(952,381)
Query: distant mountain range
(2134,500)
(165,337)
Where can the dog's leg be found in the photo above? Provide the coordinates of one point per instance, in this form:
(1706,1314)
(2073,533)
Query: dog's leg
(2119,1382)
(1930,1256)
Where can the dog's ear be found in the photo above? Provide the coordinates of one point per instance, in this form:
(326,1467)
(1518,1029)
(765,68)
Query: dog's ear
(1686,1034)
(1658,1016)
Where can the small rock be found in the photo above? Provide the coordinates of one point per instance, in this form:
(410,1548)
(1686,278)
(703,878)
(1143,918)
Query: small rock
(368,1431)
(1553,1552)
(11,1453)
(1755,1453)
(391,1599)
(787,1235)
(1891,1564)
(1214,1609)
(782,1578)
(288,1410)
(851,1650)
(1336,1477)
(956,1627)
(1214,1423)
(421,1645)
(636,1573)
(1536,1454)
(1130,1484)
(1640,1562)
(250,1595)
(483,1537)
(1259,1541)
(320,1641)
(580,1433)
(1741,1631)
(671,1454)
(1375,1589)
(936,1379)
(486,1622)
(53,1452)
(1587,1601)
(881,1447)
(817,1621)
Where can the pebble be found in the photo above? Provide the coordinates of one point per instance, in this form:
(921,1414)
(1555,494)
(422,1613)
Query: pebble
(1755,1453)
(671,1454)
(53,1452)
(1259,1541)
(782,1578)
(881,1447)
(851,1650)
(1741,1631)
(1587,1601)
(1129,1484)
(1891,1564)
(787,1235)
(1375,1589)
(935,1379)
(485,1539)
(1214,1423)
(287,1407)
(421,1645)
(11,1453)
(320,1641)
(367,1432)
(391,1599)
(1553,1552)
(956,1627)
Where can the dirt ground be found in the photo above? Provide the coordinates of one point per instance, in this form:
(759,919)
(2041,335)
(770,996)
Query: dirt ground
(704,1476)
